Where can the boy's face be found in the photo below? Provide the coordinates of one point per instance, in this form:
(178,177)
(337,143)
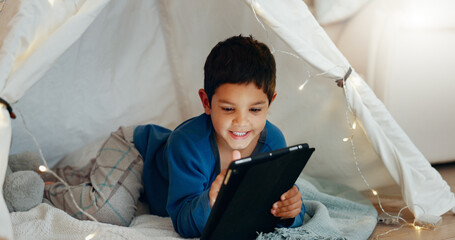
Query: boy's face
(238,113)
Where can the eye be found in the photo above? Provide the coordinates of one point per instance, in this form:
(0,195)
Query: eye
(227,109)
(255,109)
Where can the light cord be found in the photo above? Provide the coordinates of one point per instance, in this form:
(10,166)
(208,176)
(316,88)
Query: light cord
(351,139)
(267,33)
(48,169)
(375,193)
(350,110)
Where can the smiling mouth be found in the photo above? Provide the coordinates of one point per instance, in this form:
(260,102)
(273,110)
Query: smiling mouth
(239,134)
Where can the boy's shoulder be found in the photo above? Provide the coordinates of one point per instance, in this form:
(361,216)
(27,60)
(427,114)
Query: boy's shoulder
(275,138)
(194,129)
(273,130)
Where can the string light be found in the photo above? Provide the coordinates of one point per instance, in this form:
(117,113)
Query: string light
(45,168)
(303,85)
(256,6)
(352,126)
(374,192)
(42,168)
(92,235)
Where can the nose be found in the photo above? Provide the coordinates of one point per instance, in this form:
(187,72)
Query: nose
(240,118)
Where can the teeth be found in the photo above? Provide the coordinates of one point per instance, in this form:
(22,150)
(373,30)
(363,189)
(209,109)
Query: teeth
(239,133)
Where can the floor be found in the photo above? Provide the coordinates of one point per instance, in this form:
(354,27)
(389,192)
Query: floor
(392,203)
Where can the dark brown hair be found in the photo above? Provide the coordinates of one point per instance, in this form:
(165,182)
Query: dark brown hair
(240,60)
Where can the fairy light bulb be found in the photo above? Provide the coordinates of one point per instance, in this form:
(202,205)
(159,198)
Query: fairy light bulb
(91,236)
(354,125)
(346,139)
(374,192)
(42,168)
(303,84)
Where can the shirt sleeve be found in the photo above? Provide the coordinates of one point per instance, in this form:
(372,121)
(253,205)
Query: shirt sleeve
(190,177)
(298,220)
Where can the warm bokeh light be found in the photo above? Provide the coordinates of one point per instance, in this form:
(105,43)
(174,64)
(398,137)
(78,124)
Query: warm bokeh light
(42,168)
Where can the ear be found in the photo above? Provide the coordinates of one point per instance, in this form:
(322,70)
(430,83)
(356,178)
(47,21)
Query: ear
(273,98)
(205,101)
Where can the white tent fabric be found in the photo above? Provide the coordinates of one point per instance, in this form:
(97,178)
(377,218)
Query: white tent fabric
(77,70)
(390,43)
(329,12)
(403,160)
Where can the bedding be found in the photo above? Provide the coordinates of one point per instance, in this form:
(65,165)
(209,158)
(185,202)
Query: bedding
(334,211)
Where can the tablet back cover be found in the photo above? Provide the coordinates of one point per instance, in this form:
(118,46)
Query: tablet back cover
(242,208)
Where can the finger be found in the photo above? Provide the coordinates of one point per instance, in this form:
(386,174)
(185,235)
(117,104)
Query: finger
(290,193)
(290,207)
(288,211)
(236,155)
(222,173)
(215,188)
(216,185)
(280,207)
(288,201)
(290,214)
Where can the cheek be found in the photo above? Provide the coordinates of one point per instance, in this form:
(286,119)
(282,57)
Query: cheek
(261,125)
(219,123)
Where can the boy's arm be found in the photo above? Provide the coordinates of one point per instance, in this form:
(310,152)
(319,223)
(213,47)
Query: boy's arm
(190,174)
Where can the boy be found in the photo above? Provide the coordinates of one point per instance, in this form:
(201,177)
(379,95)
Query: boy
(183,169)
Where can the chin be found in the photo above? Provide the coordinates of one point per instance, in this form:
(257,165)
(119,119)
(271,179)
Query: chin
(240,147)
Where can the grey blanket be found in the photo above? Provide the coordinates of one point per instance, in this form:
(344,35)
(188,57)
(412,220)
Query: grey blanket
(334,211)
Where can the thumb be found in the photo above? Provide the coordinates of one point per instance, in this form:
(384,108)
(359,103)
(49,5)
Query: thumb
(236,155)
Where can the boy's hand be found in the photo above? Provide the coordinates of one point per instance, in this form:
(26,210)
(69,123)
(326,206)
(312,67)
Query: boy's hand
(289,205)
(216,185)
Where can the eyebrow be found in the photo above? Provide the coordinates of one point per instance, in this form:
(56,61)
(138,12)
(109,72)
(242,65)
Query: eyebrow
(254,104)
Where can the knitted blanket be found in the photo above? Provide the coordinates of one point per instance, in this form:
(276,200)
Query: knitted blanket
(334,211)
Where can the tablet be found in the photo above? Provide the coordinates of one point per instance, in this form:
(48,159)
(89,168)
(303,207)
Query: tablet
(249,189)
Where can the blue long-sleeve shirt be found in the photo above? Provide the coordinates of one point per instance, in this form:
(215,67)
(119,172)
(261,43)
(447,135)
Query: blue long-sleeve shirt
(180,166)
